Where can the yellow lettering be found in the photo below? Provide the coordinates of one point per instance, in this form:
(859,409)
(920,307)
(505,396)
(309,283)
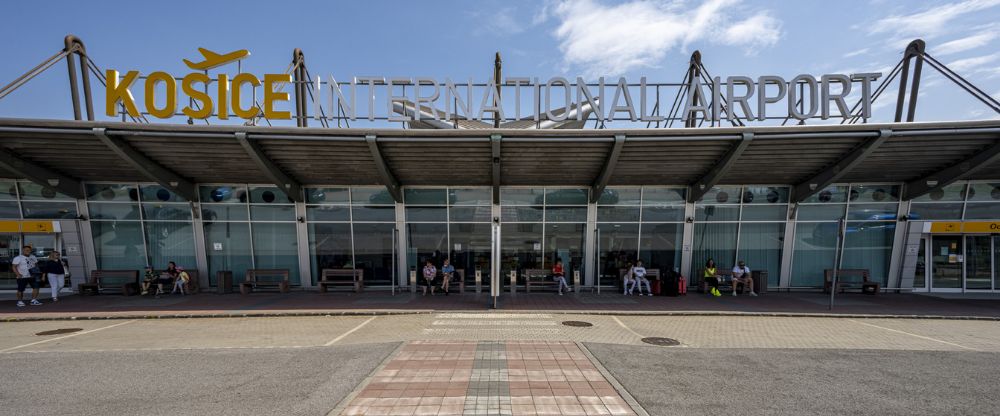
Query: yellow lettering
(238,82)
(223,97)
(120,92)
(171,106)
(270,96)
(197,95)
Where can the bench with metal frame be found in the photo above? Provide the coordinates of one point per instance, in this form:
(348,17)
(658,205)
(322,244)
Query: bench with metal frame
(851,279)
(539,277)
(651,275)
(126,281)
(257,279)
(725,283)
(341,277)
(457,278)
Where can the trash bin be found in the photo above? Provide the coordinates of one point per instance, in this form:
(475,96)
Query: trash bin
(224,282)
(759,281)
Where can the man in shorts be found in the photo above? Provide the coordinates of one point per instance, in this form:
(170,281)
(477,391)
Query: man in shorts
(22,268)
(741,274)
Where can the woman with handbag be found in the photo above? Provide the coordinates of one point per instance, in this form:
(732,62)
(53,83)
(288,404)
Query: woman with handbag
(56,270)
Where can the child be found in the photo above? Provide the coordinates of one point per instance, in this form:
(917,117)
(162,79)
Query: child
(182,278)
(560,276)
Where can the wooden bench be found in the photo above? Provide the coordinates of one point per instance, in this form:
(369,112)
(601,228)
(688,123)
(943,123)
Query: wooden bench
(651,274)
(539,277)
(456,278)
(725,282)
(341,277)
(851,279)
(257,279)
(126,281)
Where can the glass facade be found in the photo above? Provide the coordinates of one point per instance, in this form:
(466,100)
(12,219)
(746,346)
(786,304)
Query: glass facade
(352,228)
(972,201)
(539,226)
(639,223)
(451,223)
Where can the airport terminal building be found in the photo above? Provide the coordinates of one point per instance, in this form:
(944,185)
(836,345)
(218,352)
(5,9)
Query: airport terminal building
(916,204)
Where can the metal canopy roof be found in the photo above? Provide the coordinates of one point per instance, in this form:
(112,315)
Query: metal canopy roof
(775,155)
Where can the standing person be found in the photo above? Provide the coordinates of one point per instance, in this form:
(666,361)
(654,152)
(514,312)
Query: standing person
(741,274)
(22,266)
(629,280)
(56,270)
(560,276)
(447,272)
(711,277)
(430,272)
(639,276)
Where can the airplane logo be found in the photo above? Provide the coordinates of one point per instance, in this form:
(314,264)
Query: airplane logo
(213,60)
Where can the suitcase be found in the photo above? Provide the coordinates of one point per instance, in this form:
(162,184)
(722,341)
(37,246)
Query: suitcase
(682,286)
(655,286)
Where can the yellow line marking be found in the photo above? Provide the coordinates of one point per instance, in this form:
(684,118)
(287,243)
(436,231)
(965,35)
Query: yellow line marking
(65,336)
(913,335)
(342,336)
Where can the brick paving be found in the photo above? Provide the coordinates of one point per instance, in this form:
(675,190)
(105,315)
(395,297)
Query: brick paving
(488,378)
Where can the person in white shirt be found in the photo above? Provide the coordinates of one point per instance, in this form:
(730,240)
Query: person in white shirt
(22,268)
(741,274)
(639,274)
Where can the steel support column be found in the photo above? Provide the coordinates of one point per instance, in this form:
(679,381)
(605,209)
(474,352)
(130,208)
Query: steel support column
(495,173)
(40,175)
(915,50)
(700,187)
(833,173)
(280,179)
(147,167)
(602,179)
(388,179)
(956,172)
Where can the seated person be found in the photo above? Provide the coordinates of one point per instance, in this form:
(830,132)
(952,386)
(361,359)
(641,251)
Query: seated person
(182,279)
(628,281)
(639,277)
(741,274)
(711,277)
(560,276)
(430,272)
(148,279)
(447,272)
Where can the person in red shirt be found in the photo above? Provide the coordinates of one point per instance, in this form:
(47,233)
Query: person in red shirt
(560,276)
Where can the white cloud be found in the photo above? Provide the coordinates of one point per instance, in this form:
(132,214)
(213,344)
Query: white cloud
(613,39)
(972,64)
(964,44)
(855,53)
(930,22)
(500,22)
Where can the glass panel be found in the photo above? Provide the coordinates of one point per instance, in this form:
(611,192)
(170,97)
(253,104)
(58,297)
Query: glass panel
(329,247)
(42,244)
(221,212)
(815,251)
(118,245)
(228,246)
(875,193)
(775,212)
(49,210)
(521,214)
(988,192)
(716,213)
(471,214)
(978,262)
(618,214)
(9,209)
(821,212)
(721,195)
(873,212)
(113,211)
(10,246)
(662,213)
(95,192)
(470,196)
(373,252)
(426,242)
(372,196)
(935,211)
(831,194)
(760,248)
(31,190)
(223,194)
(654,196)
(275,246)
(470,249)
(565,242)
(170,241)
(566,214)
(374,213)
(520,248)
(434,214)
(660,246)
(868,245)
(521,196)
(166,212)
(953,192)
(157,193)
(946,270)
(620,196)
(268,195)
(982,211)
(619,247)
(920,274)
(272,212)
(328,213)
(8,192)
(715,241)
(566,197)
(996,262)
(425,196)
(765,195)
(328,195)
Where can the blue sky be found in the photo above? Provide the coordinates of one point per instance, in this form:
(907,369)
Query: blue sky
(457,39)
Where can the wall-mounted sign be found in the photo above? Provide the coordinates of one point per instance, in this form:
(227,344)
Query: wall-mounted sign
(217,246)
(991,227)
(29,227)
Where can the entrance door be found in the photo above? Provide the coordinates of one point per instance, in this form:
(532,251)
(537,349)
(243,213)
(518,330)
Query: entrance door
(946,264)
(978,262)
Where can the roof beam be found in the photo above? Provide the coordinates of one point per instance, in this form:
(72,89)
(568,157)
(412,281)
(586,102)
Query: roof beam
(148,167)
(700,187)
(388,179)
(609,167)
(40,175)
(956,172)
(289,186)
(833,173)
(495,173)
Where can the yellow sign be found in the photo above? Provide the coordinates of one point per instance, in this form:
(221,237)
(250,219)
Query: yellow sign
(10,227)
(966,227)
(946,227)
(227,93)
(27,227)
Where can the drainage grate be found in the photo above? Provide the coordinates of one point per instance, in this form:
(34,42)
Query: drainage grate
(60,331)
(663,342)
(577,323)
